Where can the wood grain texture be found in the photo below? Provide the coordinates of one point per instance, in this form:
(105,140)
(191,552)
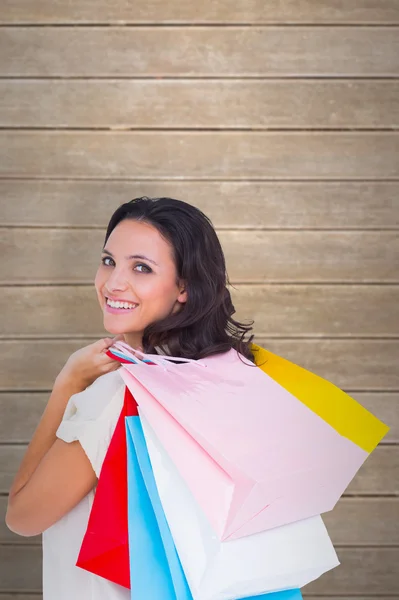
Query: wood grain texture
(364,522)
(72,256)
(22,412)
(209,11)
(354,521)
(20,568)
(354,364)
(199,155)
(249,204)
(138,104)
(363,571)
(199,51)
(304,74)
(278,310)
(378,475)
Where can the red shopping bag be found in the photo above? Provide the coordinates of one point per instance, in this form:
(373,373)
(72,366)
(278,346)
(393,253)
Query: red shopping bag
(105,546)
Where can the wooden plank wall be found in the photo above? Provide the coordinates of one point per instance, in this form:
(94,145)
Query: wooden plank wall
(279,120)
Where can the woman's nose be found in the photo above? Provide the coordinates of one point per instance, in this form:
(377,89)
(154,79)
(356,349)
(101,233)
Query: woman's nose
(117,281)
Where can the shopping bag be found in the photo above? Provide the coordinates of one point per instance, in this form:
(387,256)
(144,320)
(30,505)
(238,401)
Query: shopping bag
(282,558)
(254,455)
(155,568)
(105,546)
(105,550)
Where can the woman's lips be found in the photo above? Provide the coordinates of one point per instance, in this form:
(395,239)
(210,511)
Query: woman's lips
(118,311)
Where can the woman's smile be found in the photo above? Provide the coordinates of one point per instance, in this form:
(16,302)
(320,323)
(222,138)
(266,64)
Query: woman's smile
(118,307)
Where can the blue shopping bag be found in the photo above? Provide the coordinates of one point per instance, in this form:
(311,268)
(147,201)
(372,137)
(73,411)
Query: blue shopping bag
(155,569)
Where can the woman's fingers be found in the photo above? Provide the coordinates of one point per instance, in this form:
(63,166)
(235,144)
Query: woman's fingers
(111,366)
(105,343)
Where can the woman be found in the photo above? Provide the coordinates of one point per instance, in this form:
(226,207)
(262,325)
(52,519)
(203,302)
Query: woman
(161,286)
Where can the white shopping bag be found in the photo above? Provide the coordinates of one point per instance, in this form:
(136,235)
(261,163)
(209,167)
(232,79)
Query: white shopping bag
(274,560)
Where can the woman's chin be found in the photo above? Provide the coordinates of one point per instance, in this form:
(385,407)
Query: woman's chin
(114,329)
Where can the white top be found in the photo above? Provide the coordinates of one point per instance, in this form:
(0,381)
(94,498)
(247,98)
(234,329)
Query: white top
(90,417)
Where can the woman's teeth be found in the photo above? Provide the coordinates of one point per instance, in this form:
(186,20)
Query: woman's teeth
(118,304)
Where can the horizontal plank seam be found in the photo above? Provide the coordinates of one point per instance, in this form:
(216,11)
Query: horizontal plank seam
(217,228)
(26,593)
(259,336)
(224,134)
(72,282)
(5,594)
(22,444)
(261,284)
(17,544)
(36,594)
(364,496)
(178,78)
(357,498)
(123,24)
(20,337)
(254,284)
(179,179)
(15,390)
(196,129)
(4,444)
(243,76)
(48,391)
(337,546)
(199,180)
(77,282)
(5,225)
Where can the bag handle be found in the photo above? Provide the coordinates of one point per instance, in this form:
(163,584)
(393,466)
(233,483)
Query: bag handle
(163,361)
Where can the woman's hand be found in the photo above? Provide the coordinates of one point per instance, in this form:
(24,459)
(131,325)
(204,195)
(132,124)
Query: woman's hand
(87,364)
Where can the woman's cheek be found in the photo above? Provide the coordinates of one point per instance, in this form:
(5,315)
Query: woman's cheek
(98,283)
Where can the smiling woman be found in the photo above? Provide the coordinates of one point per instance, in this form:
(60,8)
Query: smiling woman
(162,287)
(163,257)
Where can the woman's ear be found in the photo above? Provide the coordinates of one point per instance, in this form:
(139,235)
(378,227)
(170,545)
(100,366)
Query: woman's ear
(182,297)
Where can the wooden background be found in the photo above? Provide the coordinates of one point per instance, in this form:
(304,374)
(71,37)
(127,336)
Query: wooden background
(279,120)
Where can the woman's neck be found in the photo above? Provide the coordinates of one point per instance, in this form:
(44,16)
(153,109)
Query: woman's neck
(134,340)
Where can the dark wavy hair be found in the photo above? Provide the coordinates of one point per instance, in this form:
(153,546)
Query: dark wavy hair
(204,326)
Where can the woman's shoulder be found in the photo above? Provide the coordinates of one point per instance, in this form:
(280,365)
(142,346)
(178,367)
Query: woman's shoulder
(92,401)
(91,416)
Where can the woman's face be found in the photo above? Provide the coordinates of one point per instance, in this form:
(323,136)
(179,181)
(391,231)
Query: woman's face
(136,280)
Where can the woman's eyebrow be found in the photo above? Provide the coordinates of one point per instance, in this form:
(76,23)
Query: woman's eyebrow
(141,256)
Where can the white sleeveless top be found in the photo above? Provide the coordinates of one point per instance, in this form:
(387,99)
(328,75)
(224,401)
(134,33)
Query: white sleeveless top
(90,417)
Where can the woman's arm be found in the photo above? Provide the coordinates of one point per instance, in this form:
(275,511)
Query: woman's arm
(54,475)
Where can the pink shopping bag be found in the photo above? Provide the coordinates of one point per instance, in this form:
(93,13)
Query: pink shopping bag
(252,454)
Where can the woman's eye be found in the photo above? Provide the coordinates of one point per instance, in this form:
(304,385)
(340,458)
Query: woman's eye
(146,268)
(105,260)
